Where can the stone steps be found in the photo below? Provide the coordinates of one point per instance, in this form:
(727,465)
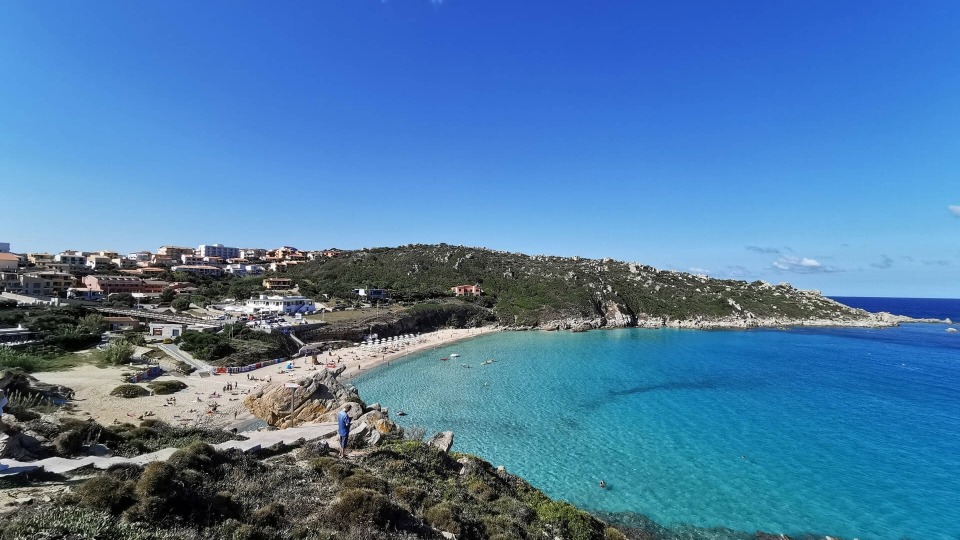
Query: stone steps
(256,440)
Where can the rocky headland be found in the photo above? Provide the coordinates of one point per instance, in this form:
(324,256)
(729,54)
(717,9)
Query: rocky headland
(563,293)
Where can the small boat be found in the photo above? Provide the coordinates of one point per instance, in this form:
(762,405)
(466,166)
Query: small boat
(951,330)
(401,413)
(443,359)
(487,362)
(454,355)
(465,365)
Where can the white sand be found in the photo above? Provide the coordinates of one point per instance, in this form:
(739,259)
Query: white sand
(194,405)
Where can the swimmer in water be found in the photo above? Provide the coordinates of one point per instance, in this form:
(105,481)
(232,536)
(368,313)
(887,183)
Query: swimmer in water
(603,484)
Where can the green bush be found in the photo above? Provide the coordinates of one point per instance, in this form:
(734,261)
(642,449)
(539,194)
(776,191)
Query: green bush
(363,506)
(411,497)
(106,493)
(360,479)
(166,387)
(69,443)
(198,456)
(270,515)
(129,391)
(444,516)
(180,304)
(117,353)
(571,521)
(331,468)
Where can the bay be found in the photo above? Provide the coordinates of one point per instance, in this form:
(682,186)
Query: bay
(848,432)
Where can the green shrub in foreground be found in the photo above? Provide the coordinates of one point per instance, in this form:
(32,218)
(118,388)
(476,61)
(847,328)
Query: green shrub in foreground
(360,506)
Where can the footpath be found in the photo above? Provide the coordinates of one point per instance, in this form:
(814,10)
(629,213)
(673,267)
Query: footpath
(256,440)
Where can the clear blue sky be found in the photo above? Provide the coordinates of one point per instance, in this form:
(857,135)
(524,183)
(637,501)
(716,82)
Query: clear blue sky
(810,142)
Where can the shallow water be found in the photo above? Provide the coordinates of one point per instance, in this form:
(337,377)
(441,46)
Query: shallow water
(850,432)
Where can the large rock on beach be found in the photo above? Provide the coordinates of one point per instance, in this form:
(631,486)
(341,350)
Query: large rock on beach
(316,398)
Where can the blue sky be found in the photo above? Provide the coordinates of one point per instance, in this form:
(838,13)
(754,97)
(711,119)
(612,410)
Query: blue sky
(811,142)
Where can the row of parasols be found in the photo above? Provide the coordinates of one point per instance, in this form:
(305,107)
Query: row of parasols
(401,340)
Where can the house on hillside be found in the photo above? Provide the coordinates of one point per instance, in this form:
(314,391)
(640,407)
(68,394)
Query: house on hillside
(467,290)
(278,284)
(116,324)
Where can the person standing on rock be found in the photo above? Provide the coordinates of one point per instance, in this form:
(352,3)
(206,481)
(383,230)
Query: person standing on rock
(343,428)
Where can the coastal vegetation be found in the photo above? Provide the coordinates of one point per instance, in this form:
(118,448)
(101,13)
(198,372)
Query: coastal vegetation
(63,330)
(235,345)
(546,291)
(403,490)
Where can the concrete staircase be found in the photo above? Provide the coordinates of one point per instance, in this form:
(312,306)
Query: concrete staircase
(256,440)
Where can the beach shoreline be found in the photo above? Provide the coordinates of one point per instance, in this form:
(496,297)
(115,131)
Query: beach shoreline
(216,401)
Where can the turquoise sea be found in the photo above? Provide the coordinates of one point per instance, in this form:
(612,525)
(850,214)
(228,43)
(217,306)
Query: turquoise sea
(848,432)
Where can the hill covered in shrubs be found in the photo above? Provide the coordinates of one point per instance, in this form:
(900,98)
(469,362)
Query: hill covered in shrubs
(567,292)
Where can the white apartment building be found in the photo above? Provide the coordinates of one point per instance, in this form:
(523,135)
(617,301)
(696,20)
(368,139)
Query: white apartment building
(288,305)
(252,253)
(140,256)
(244,269)
(72,259)
(218,250)
(175,251)
(99,262)
(124,263)
(199,269)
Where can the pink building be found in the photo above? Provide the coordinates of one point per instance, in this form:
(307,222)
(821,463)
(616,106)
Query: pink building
(467,290)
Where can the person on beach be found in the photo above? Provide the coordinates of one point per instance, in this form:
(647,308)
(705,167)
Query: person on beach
(343,428)
(3,402)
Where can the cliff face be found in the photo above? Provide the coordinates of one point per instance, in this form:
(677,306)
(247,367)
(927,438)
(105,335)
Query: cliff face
(523,291)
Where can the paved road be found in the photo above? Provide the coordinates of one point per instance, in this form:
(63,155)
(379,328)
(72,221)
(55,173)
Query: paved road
(177,354)
(149,314)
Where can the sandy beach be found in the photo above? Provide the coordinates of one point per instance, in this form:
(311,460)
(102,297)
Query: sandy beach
(208,401)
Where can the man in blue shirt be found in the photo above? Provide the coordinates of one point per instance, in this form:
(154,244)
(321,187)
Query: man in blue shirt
(343,428)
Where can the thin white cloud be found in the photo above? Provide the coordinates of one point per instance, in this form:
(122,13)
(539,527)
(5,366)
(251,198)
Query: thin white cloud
(885,262)
(801,265)
(737,272)
(938,262)
(954,209)
(696,270)
(764,250)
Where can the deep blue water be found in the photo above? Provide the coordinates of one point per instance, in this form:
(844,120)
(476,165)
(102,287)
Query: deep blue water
(920,308)
(848,432)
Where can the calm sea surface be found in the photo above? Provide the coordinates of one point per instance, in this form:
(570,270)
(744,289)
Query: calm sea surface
(920,308)
(849,432)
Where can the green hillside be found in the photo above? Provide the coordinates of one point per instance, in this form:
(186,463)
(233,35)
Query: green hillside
(525,290)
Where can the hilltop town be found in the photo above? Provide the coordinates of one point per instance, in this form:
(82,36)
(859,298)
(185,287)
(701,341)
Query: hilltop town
(94,275)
